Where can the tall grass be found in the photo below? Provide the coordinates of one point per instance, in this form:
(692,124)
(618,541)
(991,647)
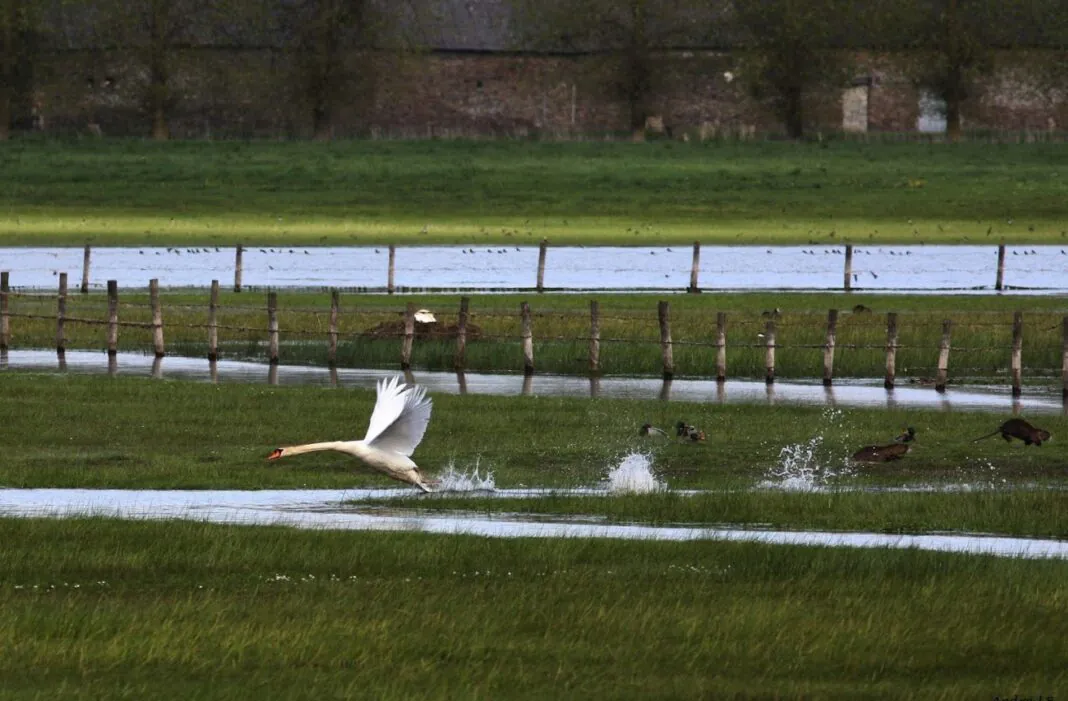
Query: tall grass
(981,344)
(96,608)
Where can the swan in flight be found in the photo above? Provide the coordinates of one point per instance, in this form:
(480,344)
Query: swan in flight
(397,424)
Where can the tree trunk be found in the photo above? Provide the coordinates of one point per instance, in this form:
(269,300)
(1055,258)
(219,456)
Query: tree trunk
(322,128)
(8,58)
(793,114)
(160,131)
(158,73)
(953,125)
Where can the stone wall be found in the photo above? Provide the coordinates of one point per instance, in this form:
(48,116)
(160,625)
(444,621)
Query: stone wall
(258,93)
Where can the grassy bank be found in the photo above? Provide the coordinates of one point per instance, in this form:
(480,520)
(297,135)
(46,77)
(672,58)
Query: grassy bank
(68,431)
(134,192)
(629,327)
(96,608)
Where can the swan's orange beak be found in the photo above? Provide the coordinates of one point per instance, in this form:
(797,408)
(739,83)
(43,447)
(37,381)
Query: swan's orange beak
(275,455)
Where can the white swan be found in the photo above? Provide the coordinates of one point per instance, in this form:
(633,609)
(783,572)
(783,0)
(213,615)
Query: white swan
(397,424)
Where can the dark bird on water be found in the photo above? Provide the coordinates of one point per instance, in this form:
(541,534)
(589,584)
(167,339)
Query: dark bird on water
(882,453)
(1018,428)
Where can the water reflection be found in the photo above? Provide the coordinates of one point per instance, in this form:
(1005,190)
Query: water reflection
(324,509)
(867,393)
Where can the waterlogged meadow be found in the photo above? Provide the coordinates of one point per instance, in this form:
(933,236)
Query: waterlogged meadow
(96,608)
(370,330)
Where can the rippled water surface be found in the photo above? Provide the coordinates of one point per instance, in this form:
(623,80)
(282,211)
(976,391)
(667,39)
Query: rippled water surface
(969,269)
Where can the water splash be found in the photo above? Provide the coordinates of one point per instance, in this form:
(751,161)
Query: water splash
(634,475)
(801,469)
(453,480)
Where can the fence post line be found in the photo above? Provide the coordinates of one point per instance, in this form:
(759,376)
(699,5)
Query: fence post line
(891,350)
(5,321)
(335,307)
(157,317)
(828,348)
(595,337)
(999,284)
(694,268)
(409,336)
(663,312)
(460,361)
(542,247)
(943,356)
(848,276)
(238,255)
(769,353)
(213,323)
(527,333)
(113,317)
(1064,358)
(61,313)
(85,270)
(392,268)
(721,346)
(1017,353)
(272,327)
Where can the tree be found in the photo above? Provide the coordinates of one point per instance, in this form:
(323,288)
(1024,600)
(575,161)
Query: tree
(792,47)
(16,51)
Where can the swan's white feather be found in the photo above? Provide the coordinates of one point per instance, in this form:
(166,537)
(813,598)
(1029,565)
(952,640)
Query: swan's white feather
(400,417)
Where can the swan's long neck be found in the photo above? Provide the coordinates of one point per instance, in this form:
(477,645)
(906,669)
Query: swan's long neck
(315,447)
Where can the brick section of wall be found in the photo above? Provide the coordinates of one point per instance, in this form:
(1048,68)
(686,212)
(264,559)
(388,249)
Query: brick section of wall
(254,93)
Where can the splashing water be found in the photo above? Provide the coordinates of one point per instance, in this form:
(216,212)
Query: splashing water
(799,469)
(634,475)
(453,480)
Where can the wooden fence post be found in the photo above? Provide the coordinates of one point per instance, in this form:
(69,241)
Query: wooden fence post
(694,268)
(213,322)
(460,361)
(113,317)
(1064,359)
(663,311)
(943,356)
(392,268)
(527,334)
(335,308)
(595,337)
(828,348)
(721,346)
(237,267)
(61,313)
(848,277)
(409,336)
(85,270)
(157,317)
(999,284)
(5,321)
(1017,353)
(769,353)
(272,327)
(541,265)
(891,350)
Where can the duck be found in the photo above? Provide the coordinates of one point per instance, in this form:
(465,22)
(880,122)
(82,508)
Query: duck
(685,431)
(907,437)
(651,430)
(882,453)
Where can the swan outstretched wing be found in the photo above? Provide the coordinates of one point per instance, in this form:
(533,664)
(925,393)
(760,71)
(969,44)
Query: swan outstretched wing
(400,417)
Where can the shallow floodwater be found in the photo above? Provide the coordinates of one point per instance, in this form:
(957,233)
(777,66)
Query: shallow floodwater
(323,509)
(845,393)
(965,269)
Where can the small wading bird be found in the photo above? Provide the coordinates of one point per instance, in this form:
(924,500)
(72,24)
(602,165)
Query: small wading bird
(397,424)
(1018,428)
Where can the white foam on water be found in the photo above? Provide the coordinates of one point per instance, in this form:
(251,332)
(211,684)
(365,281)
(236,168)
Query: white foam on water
(453,480)
(634,475)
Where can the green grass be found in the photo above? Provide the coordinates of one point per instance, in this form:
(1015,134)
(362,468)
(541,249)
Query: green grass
(103,609)
(134,192)
(982,334)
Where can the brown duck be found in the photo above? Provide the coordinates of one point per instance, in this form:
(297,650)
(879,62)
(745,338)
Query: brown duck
(1018,428)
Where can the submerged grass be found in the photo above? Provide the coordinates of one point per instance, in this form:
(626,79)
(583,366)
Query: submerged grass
(96,608)
(137,192)
(629,327)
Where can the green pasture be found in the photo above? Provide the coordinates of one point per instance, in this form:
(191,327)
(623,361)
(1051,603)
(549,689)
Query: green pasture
(78,431)
(95,608)
(115,192)
(370,330)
